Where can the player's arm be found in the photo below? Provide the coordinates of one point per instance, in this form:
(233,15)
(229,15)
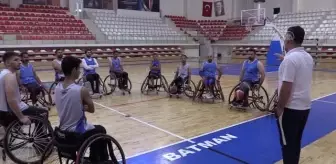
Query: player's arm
(57,67)
(242,71)
(96,63)
(18,79)
(287,80)
(11,86)
(110,63)
(85,66)
(189,74)
(87,101)
(37,77)
(261,69)
(176,72)
(121,64)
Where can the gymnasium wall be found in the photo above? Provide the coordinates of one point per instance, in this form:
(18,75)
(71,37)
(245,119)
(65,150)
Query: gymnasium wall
(303,5)
(173,7)
(285,6)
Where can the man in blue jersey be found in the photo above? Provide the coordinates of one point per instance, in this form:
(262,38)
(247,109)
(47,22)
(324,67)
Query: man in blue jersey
(208,74)
(116,67)
(155,71)
(252,73)
(89,65)
(28,79)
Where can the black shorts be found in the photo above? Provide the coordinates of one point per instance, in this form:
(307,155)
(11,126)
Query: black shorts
(246,85)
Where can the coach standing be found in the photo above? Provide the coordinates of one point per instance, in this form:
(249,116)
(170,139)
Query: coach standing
(295,77)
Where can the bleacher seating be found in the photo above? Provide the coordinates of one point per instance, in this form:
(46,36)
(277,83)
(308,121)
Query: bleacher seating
(136,29)
(43,56)
(212,29)
(327,29)
(38,22)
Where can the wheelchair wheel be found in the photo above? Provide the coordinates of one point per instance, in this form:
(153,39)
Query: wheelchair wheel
(219,92)
(51,91)
(189,89)
(198,92)
(232,93)
(144,86)
(29,140)
(273,102)
(102,85)
(114,157)
(260,99)
(164,83)
(110,84)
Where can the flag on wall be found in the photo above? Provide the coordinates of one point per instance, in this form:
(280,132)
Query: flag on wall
(219,8)
(207,9)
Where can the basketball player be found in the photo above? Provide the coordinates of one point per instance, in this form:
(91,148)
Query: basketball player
(11,106)
(155,71)
(294,101)
(56,64)
(252,73)
(116,67)
(89,65)
(72,101)
(28,79)
(182,74)
(208,70)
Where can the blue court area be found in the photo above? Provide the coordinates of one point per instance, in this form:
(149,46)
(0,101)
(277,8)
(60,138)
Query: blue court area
(234,69)
(253,142)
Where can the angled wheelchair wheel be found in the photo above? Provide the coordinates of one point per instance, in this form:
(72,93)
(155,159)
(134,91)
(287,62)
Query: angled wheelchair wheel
(129,86)
(219,92)
(110,84)
(115,153)
(144,86)
(198,92)
(164,83)
(51,91)
(260,99)
(25,144)
(232,94)
(189,89)
(273,102)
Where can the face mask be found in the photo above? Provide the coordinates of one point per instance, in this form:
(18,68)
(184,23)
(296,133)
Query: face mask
(60,56)
(209,60)
(251,58)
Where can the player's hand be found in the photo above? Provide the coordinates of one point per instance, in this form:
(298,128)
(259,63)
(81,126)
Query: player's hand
(25,120)
(86,107)
(278,112)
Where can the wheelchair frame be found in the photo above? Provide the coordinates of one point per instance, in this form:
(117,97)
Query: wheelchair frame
(8,137)
(271,107)
(102,84)
(253,99)
(183,89)
(80,149)
(41,97)
(163,84)
(200,89)
(116,84)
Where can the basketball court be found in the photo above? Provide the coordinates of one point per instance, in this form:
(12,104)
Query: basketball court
(170,130)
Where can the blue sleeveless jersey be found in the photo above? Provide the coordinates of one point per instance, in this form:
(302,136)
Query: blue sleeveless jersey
(27,74)
(116,64)
(251,71)
(88,62)
(209,69)
(156,63)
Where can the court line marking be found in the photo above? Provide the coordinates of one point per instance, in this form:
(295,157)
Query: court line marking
(233,125)
(329,102)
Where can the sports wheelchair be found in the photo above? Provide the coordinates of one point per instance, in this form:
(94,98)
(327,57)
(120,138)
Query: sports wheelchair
(217,91)
(27,140)
(71,148)
(82,81)
(43,98)
(159,82)
(187,87)
(111,82)
(273,102)
(257,98)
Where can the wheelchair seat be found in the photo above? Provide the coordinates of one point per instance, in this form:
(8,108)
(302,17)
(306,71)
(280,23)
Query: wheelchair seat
(158,83)
(217,91)
(67,143)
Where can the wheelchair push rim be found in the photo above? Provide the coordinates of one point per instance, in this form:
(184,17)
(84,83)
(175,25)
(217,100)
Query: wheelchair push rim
(37,141)
(111,155)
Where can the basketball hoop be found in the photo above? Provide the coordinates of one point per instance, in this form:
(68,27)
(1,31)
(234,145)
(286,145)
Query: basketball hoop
(248,28)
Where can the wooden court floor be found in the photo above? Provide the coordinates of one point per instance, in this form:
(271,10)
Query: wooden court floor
(157,120)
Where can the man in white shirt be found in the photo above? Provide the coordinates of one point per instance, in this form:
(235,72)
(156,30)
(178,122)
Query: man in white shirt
(294,100)
(11,106)
(90,64)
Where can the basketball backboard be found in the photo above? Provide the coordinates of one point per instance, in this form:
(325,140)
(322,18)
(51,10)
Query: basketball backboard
(253,17)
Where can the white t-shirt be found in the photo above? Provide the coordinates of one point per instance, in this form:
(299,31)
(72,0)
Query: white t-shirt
(297,67)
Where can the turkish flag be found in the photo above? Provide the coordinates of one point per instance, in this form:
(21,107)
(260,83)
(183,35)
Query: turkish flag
(207,9)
